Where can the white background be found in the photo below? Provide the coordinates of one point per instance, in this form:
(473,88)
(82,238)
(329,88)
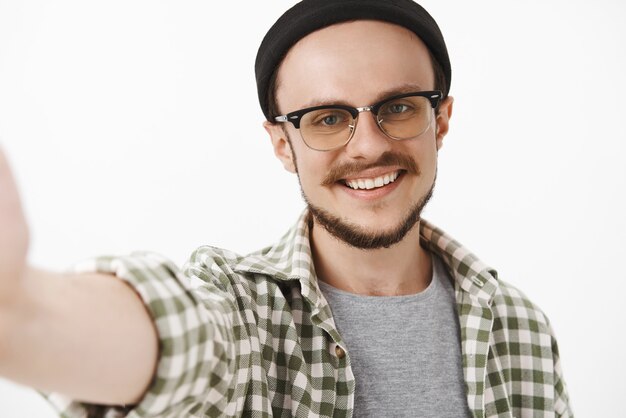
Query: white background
(135,125)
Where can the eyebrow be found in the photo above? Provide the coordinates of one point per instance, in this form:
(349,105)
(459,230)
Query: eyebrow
(394,91)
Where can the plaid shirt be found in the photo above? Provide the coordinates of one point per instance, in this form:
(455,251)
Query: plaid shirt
(253,336)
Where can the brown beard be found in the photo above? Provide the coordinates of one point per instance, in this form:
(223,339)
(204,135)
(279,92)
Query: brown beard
(351,233)
(357,237)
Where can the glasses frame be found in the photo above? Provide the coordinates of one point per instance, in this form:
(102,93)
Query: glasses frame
(433,96)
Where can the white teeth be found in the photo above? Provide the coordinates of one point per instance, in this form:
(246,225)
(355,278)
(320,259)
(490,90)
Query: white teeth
(368,184)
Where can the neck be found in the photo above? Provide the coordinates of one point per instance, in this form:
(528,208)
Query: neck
(402,269)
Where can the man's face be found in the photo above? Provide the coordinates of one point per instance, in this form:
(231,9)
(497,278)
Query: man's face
(357,64)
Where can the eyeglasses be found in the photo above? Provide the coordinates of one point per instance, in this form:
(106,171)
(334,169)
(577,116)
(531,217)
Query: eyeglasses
(325,128)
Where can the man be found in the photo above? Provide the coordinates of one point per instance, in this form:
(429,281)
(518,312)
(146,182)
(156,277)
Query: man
(362,309)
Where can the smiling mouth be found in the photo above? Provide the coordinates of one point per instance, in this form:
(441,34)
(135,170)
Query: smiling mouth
(372,183)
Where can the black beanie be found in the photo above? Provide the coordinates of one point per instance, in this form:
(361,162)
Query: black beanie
(310,15)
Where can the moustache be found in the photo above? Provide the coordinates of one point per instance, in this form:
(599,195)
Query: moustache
(387,159)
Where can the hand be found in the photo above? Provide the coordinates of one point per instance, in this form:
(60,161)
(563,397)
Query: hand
(13,235)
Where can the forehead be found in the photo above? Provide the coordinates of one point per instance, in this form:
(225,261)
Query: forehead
(353,63)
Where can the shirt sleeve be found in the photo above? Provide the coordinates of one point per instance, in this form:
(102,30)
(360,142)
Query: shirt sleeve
(196,349)
(562,406)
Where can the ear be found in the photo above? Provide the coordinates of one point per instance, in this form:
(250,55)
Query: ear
(443,120)
(282,148)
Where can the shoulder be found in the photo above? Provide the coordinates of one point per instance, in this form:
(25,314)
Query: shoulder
(509,301)
(517,319)
(213,266)
(212,259)
(217,270)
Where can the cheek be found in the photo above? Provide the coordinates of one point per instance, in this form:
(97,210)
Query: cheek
(425,154)
(313,167)
(311,172)
(430,158)
(423,148)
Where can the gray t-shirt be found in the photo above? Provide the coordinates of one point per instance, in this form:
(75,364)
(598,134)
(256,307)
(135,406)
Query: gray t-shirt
(405,351)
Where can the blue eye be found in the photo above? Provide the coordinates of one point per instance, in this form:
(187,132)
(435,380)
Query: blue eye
(397,108)
(330,120)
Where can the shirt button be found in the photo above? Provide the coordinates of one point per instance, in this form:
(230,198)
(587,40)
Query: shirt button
(340,353)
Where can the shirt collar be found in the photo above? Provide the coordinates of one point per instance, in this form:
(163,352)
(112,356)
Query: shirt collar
(469,272)
(290,259)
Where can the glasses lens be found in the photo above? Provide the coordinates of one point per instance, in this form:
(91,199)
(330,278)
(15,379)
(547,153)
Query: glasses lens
(327,128)
(405,118)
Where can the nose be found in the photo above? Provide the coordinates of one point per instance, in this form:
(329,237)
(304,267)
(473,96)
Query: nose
(368,141)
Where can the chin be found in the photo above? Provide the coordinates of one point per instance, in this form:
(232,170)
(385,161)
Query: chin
(365,237)
(371,235)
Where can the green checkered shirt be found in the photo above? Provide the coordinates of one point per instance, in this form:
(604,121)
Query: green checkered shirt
(252,336)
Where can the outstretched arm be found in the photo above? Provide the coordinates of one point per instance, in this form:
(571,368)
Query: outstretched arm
(86,336)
